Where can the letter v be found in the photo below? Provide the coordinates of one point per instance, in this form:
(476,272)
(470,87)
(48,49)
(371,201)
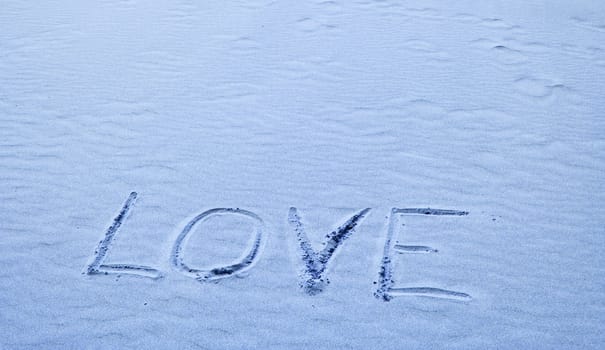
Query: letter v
(312,279)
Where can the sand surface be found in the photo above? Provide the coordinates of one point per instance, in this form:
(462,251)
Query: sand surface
(302,174)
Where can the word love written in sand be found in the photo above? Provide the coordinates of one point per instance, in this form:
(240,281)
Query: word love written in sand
(314,263)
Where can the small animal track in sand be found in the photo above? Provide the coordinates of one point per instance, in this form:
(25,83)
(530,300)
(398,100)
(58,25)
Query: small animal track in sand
(587,24)
(537,88)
